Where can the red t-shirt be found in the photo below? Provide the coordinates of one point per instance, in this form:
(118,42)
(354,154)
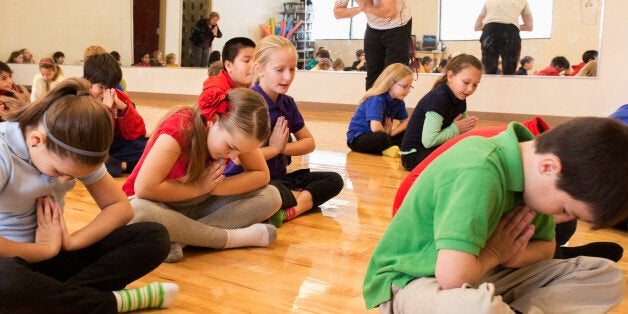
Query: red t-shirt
(177,125)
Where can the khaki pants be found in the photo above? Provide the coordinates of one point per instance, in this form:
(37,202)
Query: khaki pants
(577,285)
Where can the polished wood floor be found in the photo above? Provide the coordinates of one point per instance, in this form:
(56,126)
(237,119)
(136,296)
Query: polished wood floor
(318,262)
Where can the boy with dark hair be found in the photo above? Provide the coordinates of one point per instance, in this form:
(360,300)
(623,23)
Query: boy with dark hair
(237,59)
(478,236)
(527,63)
(587,56)
(558,65)
(104,73)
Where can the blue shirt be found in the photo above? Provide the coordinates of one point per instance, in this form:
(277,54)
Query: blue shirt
(21,183)
(377,108)
(284,107)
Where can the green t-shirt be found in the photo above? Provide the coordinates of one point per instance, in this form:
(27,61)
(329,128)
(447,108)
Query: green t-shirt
(454,204)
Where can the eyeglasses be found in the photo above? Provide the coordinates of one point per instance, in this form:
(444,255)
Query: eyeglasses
(405,87)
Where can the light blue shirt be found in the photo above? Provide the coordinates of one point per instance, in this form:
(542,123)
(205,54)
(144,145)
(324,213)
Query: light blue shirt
(21,183)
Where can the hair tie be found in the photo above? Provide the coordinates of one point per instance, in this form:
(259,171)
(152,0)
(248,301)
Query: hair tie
(213,101)
(68,147)
(46,63)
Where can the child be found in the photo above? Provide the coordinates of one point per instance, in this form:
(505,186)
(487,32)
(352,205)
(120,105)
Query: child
(468,238)
(371,129)
(171,60)
(323,64)
(9,89)
(16,57)
(558,65)
(302,190)
(28,55)
(45,147)
(442,113)
(179,183)
(321,53)
(103,71)
(237,58)
(360,63)
(527,63)
(338,65)
(50,74)
(144,60)
(157,59)
(58,57)
(587,56)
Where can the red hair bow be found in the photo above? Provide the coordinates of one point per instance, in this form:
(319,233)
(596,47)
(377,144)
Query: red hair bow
(212,101)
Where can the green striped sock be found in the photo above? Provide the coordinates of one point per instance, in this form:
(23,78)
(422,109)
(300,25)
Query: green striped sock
(154,295)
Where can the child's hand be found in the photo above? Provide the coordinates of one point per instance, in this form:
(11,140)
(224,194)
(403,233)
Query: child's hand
(279,137)
(48,233)
(512,235)
(213,175)
(108,97)
(388,125)
(117,103)
(465,124)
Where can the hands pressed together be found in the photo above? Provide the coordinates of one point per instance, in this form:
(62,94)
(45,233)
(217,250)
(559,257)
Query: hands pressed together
(510,239)
(111,100)
(279,137)
(51,233)
(465,124)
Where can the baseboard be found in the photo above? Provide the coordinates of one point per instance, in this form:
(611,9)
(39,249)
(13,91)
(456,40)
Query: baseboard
(486,116)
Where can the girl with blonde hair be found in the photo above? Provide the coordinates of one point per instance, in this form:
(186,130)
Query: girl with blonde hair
(372,128)
(275,62)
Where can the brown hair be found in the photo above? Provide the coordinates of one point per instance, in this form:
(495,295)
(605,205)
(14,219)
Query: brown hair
(593,154)
(49,64)
(73,117)
(457,64)
(248,116)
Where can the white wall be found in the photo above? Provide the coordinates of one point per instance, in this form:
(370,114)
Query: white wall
(526,95)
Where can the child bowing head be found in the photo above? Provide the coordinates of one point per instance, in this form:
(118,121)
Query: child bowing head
(67,132)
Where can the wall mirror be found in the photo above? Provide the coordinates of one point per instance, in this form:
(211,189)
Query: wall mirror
(70,26)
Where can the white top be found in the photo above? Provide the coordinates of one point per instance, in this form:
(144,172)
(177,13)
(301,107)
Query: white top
(36,80)
(504,11)
(21,183)
(402,18)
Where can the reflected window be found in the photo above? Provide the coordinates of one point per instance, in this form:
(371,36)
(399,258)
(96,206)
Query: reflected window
(326,26)
(457,19)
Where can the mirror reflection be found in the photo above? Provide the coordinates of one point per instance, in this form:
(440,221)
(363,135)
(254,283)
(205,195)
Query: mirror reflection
(575,29)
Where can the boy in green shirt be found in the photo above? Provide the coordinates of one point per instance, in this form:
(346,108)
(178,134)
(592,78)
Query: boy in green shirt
(475,232)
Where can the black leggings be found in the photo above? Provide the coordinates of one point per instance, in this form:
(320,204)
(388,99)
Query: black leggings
(82,281)
(375,142)
(384,47)
(500,40)
(322,185)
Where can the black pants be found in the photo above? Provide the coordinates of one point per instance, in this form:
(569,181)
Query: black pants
(385,47)
(321,184)
(375,142)
(412,160)
(82,281)
(122,150)
(500,40)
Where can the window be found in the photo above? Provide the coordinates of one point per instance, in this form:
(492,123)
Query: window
(457,19)
(326,26)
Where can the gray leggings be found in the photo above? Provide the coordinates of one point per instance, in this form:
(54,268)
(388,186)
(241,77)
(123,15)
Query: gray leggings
(202,221)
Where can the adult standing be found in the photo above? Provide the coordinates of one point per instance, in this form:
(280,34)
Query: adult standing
(387,35)
(499,23)
(203,34)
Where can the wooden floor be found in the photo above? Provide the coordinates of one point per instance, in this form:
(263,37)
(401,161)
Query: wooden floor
(318,262)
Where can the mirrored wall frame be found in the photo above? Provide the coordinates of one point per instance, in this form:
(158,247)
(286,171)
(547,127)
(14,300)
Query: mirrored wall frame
(576,29)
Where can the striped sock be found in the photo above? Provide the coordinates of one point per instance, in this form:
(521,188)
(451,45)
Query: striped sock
(281,216)
(154,295)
